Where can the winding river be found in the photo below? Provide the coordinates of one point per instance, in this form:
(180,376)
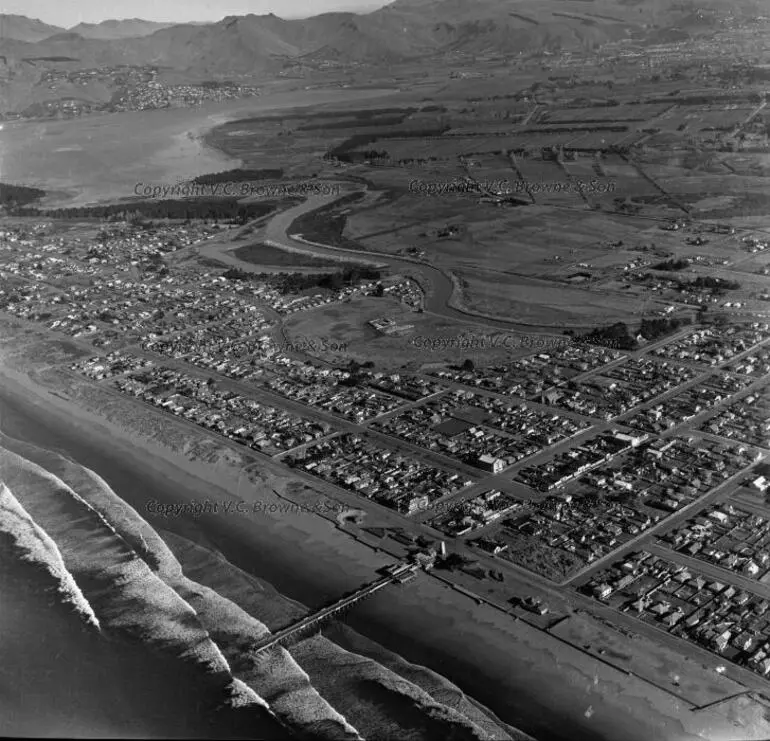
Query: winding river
(440,289)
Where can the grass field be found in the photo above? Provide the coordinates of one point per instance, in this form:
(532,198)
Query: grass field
(346,324)
(498,251)
(262,254)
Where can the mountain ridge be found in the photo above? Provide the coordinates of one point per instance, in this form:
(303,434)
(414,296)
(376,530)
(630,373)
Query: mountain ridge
(408,28)
(253,47)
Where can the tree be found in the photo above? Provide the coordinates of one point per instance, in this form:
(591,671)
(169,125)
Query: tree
(467,365)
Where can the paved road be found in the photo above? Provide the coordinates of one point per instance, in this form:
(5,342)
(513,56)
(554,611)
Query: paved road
(646,538)
(710,570)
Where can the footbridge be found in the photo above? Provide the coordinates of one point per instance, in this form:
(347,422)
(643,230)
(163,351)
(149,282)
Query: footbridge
(398,573)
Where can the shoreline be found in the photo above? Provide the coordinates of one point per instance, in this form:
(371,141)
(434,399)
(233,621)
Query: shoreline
(94,158)
(429,623)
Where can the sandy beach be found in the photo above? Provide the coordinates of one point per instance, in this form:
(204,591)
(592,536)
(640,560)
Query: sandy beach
(531,681)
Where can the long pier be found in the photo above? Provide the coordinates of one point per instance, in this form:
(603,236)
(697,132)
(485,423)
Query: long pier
(399,573)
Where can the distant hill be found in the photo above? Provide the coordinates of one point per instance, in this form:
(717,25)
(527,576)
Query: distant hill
(21,28)
(405,29)
(262,45)
(114,29)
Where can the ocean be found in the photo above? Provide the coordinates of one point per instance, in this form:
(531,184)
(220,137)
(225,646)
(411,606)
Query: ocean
(272,570)
(381,692)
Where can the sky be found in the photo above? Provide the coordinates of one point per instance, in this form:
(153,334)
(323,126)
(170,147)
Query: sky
(68,13)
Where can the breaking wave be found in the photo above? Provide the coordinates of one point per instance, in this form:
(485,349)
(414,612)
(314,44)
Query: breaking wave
(179,600)
(28,542)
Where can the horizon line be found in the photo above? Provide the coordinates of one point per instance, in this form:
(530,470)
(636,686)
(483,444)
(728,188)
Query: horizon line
(363,11)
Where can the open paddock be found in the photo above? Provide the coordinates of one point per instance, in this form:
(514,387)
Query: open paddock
(666,140)
(756,263)
(740,203)
(423,168)
(476,91)
(391,227)
(521,240)
(601,255)
(265,255)
(589,168)
(542,302)
(549,186)
(491,160)
(744,163)
(722,119)
(602,140)
(347,325)
(535,170)
(697,184)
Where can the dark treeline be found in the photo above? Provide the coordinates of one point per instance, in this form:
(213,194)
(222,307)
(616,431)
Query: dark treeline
(615,336)
(217,84)
(618,337)
(238,175)
(570,127)
(720,284)
(702,281)
(225,209)
(296,282)
(672,264)
(385,121)
(343,152)
(652,329)
(700,99)
(361,115)
(18,195)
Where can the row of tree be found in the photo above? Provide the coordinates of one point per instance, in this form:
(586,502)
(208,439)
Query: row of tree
(288,283)
(239,175)
(13,196)
(224,209)
(619,337)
